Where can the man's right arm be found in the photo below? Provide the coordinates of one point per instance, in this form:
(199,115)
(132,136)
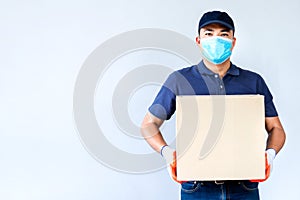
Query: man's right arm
(151,133)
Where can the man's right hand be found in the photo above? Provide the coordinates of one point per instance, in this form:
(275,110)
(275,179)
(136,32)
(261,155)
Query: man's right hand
(170,156)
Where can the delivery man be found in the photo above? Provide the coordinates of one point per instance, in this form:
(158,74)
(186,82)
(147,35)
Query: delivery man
(214,75)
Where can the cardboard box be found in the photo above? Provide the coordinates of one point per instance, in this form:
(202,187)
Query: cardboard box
(220,137)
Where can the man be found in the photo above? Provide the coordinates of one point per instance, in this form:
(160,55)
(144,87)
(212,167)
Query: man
(214,75)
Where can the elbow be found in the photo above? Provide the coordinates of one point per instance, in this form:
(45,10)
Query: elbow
(149,129)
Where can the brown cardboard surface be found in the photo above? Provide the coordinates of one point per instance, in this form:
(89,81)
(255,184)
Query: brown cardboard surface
(220,137)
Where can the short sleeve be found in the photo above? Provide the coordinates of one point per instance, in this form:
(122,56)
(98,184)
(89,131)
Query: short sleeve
(164,105)
(270,110)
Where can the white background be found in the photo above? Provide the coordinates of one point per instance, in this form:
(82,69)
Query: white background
(42,47)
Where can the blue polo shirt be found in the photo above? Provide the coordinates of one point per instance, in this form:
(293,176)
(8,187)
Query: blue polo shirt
(199,80)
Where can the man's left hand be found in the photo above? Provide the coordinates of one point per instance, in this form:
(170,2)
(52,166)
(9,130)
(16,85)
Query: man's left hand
(269,156)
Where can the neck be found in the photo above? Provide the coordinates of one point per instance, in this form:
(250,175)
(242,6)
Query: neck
(220,69)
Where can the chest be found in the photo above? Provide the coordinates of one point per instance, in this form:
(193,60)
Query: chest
(214,85)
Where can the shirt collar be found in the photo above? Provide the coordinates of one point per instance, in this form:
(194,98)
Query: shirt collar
(203,70)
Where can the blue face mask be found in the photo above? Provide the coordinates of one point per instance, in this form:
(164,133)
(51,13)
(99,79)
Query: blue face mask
(216,49)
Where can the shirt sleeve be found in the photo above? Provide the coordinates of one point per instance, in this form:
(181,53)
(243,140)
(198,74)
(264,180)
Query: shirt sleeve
(270,110)
(164,104)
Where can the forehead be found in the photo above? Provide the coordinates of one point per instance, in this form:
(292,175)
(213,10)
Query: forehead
(215,26)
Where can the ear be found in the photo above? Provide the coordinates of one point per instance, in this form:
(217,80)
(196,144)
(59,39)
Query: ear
(233,43)
(198,40)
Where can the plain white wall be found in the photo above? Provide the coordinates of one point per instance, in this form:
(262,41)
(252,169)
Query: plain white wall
(43,45)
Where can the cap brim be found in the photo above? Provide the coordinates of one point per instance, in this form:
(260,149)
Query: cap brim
(217,22)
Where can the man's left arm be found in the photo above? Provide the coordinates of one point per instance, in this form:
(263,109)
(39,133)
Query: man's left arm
(276,137)
(275,142)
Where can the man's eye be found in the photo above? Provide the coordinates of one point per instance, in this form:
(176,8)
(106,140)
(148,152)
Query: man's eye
(208,34)
(224,35)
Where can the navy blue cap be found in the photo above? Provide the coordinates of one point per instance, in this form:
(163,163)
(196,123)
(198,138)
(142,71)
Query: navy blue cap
(217,17)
